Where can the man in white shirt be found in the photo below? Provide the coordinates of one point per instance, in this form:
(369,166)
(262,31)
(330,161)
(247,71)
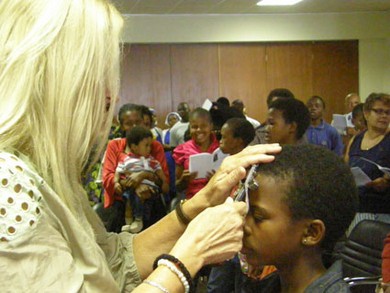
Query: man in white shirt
(351,100)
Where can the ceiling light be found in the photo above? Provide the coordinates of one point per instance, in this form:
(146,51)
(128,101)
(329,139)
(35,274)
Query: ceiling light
(277,2)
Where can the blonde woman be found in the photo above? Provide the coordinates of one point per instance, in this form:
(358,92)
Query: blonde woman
(59,60)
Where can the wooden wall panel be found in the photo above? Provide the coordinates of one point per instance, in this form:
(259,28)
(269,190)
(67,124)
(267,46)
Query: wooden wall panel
(146,78)
(335,73)
(242,75)
(162,76)
(290,66)
(194,74)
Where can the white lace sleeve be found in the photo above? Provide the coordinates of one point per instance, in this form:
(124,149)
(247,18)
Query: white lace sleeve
(19,199)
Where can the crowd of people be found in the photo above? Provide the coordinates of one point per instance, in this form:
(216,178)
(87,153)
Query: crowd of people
(281,196)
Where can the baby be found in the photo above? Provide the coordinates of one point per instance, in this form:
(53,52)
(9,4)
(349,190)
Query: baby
(138,141)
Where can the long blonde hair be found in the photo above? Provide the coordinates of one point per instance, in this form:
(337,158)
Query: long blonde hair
(58,60)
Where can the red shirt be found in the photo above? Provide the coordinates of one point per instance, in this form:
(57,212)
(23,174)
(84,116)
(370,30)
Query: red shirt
(386,260)
(181,155)
(115,149)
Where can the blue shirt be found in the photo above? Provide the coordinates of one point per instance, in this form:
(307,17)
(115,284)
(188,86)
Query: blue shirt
(327,136)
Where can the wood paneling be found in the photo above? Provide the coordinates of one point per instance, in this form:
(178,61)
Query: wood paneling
(242,72)
(290,66)
(194,74)
(146,78)
(335,73)
(162,76)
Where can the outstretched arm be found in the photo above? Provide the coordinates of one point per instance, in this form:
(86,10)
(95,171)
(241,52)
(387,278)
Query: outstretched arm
(161,237)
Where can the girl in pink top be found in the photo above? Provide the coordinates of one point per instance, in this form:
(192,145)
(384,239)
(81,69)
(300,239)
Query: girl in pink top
(202,140)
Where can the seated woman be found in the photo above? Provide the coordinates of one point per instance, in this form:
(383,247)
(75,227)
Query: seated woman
(374,145)
(304,202)
(202,140)
(131,115)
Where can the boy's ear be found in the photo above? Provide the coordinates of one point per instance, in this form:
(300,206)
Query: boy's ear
(314,233)
(293,127)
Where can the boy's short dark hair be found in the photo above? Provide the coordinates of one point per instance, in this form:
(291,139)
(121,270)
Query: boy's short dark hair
(201,113)
(241,128)
(321,187)
(293,110)
(137,134)
(317,98)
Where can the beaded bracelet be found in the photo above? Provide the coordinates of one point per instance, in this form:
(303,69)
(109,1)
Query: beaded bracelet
(179,265)
(170,265)
(180,215)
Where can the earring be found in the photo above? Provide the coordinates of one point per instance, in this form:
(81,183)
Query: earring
(304,240)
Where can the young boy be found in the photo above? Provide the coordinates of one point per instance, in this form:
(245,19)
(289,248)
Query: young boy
(320,132)
(139,141)
(305,201)
(287,122)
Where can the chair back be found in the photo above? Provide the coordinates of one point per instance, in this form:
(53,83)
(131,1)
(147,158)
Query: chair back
(361,254)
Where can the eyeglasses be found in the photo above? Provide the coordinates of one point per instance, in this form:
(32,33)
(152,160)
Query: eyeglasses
(381,111)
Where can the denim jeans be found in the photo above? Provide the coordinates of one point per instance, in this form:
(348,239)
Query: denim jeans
(136,204)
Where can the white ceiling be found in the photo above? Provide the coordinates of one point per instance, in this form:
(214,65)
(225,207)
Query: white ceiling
(246,6)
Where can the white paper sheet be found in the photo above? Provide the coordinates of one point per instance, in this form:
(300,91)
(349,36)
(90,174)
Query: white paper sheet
(207,104)
(383,169)
(206,162)
(340,122)
(361,178)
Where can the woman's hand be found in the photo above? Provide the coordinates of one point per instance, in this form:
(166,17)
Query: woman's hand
(185,179)
(118,188)
(379,184)
(232,171)
(214,236)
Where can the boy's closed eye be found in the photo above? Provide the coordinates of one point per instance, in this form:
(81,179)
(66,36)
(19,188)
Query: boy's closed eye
(258,214)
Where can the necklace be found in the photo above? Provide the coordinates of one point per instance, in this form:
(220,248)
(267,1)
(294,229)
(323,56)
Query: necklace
(368,142)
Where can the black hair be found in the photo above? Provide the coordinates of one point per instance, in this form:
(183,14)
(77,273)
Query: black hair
(223,101)
(238,104)
(293,111)
(317,98)
(241,128)
(321,187)
(201,113)
(358,109)
(137,134)
(126,108)
(280,93)
(145,111)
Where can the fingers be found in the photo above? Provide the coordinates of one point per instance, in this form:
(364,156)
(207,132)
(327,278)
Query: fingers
(241,208)
(232,178)
(251,155)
